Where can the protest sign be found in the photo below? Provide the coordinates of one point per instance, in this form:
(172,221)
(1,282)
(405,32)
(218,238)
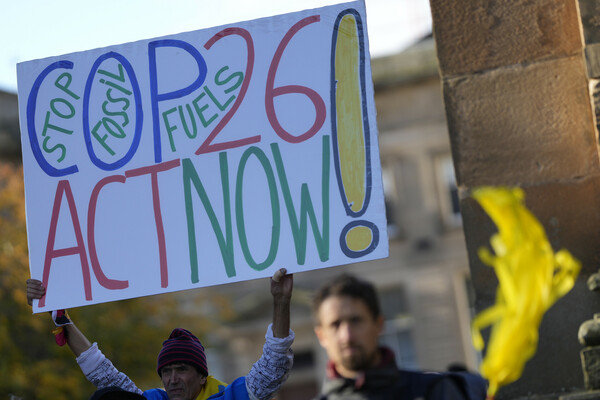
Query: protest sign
(202,158)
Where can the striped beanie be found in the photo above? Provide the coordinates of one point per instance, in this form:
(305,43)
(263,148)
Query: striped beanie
(182,347)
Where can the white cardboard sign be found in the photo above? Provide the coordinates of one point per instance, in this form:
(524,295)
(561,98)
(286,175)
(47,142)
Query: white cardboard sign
(202,158)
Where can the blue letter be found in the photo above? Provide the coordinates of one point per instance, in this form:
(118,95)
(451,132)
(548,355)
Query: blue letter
(31,105)
(156,97)
(139,116)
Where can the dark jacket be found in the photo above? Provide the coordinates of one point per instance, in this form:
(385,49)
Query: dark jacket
(386,382)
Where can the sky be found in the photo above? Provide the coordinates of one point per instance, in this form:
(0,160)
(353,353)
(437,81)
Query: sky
(33,29)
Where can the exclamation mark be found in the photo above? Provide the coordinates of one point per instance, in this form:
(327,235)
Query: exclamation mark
(350,132)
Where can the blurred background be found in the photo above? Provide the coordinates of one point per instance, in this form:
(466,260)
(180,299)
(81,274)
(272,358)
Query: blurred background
(424,284)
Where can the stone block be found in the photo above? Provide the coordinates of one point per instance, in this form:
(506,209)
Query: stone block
(592,58)
(590,363)
(587,395)
(522,125)
(570,215)
(474,36)
(590,18)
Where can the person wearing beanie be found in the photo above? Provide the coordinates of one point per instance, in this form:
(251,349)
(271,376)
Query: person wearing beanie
(181,362)
(182,347)
(181,354)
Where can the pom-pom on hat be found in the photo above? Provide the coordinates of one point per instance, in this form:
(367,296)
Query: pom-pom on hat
(182,347)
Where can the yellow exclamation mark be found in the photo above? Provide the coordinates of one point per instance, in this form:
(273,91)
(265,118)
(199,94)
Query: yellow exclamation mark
(350,131)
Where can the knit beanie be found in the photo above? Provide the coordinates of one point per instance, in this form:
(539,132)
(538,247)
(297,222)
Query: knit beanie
(182,347)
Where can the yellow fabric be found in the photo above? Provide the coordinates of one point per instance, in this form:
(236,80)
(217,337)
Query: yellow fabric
(57,330)
(211,387)
(531,278)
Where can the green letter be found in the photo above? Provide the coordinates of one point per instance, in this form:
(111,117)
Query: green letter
(306,207)
(225,243)
(170,128)
(101,139)
(200,111)
(194,132)
(239,197)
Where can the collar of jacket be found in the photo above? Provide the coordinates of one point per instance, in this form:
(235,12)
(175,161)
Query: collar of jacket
(387,359)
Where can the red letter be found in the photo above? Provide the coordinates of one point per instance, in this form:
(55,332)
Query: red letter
(102,279)
(63,188)
(206,146)
(153,170)
(271,91)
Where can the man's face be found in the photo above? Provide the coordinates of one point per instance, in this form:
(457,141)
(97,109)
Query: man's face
(349,334)
(182,381)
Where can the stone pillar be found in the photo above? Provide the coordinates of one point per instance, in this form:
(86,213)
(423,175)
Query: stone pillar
(519,113)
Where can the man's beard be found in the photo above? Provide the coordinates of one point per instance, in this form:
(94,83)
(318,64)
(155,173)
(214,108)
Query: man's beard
(359,361)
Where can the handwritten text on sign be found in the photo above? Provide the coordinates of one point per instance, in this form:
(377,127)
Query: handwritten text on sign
(202,158)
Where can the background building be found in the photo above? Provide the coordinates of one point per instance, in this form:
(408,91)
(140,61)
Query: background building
(10,142)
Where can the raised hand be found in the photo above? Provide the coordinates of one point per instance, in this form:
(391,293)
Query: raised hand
(282,285)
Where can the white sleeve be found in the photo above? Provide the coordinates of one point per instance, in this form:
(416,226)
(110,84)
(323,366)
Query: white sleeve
(272,369)
(101,372)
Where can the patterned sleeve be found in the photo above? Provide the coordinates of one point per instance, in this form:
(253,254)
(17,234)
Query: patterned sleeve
(100,371)
(272,369)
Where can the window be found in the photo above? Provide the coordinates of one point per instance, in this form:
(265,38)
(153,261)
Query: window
(389,190)
(397,331)
(397,335)
(448,191)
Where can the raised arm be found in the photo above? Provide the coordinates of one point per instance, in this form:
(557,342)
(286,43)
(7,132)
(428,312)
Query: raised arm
(272,369)
(98,369)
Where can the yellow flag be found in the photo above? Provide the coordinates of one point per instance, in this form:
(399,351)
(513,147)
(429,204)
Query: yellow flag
(531,277)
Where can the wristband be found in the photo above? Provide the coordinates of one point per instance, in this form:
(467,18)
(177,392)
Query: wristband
(61,319)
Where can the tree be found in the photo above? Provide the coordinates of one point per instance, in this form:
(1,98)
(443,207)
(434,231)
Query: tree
(130,332)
